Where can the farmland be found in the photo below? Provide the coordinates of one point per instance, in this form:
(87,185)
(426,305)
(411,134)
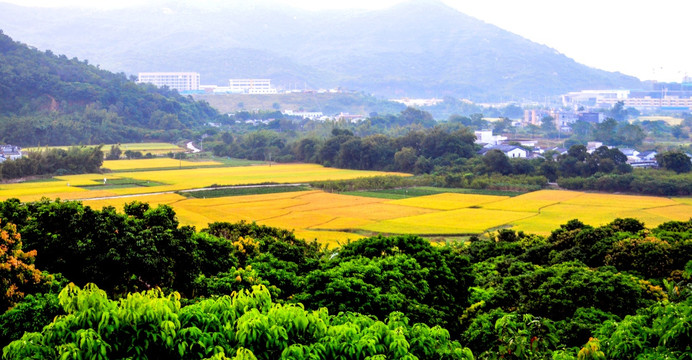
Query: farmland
(336,218)
(155,148)
(87,186)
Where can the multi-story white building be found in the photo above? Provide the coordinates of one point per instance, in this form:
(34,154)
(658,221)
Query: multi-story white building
(181,81)
(252,86)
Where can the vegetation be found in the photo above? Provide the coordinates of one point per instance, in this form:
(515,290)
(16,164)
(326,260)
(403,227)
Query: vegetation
(75,160)
(47,99)
(247,291)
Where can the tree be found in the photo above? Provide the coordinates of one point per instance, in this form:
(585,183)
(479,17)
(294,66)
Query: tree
(154,325)
(548,124)
(496,161)
(405,159)
(114,153)
(618,111)
(674,160)
(17,271)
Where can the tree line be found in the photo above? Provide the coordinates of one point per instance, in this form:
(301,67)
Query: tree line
(165,290)
(54,161)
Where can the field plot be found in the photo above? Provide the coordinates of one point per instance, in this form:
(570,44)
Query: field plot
(626,201)
(155,148)
(683,200)
(551,217)
(181,179)
(136,164)
(461,221)
(675,212)
(533,201)
(448,201)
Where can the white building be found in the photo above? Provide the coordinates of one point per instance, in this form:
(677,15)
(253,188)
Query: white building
(312,115)
(181,81)
(487,137)
(10,152)
(251,86)
(511,151)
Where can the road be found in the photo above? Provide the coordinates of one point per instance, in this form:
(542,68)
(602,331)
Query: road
(192,147)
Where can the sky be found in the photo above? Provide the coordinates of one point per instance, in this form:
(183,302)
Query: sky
(646,39)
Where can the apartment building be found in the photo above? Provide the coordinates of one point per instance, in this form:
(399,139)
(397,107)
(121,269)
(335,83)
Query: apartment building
(181,81)
(251,86)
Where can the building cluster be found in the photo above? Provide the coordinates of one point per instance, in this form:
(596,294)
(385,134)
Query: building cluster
(661,96)
(417,102)
(527,149)
(181,81)
(10,152)
(318,115)
(188,83)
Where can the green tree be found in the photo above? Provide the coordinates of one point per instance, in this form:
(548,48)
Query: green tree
(674,160)
(496,161)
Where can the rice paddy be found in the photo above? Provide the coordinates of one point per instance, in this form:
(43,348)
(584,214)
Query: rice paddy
(138,164)
(177,179)
(154,148)
(337,218)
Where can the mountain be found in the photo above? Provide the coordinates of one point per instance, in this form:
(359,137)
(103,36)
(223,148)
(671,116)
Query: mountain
(419,48)
(46,99)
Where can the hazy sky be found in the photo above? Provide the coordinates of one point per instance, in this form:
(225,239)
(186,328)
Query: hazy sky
(647,39)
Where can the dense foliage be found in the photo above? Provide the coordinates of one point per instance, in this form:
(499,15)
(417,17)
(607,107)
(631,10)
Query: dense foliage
(247,325)
(51,100)
(652,182)
(74,160)
(614,289)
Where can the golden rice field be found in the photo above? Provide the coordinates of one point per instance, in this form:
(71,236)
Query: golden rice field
(177,179)
(448,201)
(155,148)
(335,219)
(156,163)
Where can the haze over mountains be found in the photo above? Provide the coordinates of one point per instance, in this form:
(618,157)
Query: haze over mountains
(420,48)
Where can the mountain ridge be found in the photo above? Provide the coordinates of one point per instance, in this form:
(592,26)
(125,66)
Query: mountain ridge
(410,49)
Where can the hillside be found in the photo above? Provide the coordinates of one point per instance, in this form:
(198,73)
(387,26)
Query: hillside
(46,99)
(328,104)
(420,48)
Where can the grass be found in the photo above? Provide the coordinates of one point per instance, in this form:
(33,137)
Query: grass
(243,191)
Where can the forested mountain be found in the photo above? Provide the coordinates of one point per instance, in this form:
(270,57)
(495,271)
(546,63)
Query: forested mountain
(46,99)
(420,48)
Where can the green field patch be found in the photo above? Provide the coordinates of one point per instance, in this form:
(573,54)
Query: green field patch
(119,183)
(405,193)
(240,191)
